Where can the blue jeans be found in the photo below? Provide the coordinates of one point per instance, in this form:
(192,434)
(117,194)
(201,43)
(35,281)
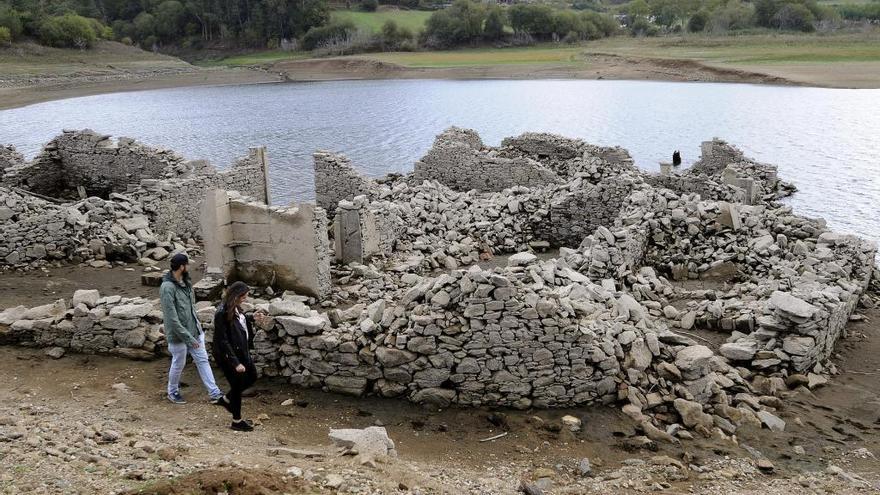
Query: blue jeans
(200,357)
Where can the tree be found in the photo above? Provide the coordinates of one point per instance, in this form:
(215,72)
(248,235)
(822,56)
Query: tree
(169,19)
(697,23)
(5,36)
(494,26)
(456,25)
(11,20)
(534,19)
(67,31)
(369,5)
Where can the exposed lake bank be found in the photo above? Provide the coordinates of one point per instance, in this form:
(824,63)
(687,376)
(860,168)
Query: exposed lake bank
(35,74)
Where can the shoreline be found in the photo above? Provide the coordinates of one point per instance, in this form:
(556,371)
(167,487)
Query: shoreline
(598,67)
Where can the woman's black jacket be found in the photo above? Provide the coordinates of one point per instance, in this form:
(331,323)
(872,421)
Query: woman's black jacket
(231,345)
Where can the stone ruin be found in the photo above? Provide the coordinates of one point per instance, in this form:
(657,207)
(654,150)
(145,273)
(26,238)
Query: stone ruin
(135,200)
(284,247)
(419,308)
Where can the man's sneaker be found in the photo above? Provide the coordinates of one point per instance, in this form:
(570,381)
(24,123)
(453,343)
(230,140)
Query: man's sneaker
(245,425)
(176,398)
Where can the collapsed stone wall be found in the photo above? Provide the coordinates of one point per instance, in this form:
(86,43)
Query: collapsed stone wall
(707,187)
(94,161)
(174,205)
(569,158)
(168,187)
(127,327)
(799,283)
(9,157)
(35,231)
(337,180)
(727,163)
(457,162)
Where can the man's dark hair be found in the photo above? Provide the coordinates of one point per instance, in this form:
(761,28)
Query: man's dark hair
(178,260)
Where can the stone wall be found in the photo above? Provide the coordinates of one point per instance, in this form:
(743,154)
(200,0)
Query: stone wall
(169,188)
(285,247)
(705,186)
(175,205)
(578,211)
(126,327)
(337,180)
(90,324)
(94,161)
(455,162)
(9,157)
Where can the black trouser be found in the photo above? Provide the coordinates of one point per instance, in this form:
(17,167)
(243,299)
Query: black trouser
(238,382)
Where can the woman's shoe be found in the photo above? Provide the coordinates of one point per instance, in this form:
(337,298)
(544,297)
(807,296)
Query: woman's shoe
(242,426)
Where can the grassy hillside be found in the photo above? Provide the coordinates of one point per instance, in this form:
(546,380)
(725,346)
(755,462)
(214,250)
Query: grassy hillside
(373,21)
(27,58)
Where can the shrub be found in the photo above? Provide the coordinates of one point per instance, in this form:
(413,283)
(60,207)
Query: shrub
(795,17)
(697,23)
(318,36)
(394,36)
(369,5)
(5,36)
(67,31)
(101,31)
(643,27)
(732,16)
(125,40)
(11,20)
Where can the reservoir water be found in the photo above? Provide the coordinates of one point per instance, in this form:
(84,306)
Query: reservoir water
(826,141)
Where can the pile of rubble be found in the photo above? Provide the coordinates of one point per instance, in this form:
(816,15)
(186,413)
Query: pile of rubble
(34,231)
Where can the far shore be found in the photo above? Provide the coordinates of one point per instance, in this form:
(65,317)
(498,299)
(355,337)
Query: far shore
(587,65)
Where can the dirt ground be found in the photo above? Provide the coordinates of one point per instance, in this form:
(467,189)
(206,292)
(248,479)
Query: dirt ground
(829,444)
(597,66)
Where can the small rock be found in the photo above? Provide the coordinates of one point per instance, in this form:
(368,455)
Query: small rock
(55,352)
(572,423)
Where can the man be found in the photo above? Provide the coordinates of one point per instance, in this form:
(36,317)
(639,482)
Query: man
(183,330)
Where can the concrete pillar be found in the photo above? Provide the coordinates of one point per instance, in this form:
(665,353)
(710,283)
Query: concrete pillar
(264,167)
(347,235)
(216,226)
(665,168)
(355,233)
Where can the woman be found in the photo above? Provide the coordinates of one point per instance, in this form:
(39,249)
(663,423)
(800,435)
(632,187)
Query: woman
(233,339)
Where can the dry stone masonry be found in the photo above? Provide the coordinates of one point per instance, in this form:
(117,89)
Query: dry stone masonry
(138,199)
(444,294)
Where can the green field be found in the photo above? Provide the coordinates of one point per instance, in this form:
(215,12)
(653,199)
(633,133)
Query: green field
(373,21)
(720,50)
(748,50)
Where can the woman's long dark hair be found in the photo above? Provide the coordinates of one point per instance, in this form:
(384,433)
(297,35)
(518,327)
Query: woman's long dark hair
(230,300)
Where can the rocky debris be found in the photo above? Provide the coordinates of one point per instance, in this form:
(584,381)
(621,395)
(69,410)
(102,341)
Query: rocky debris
(369,443)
